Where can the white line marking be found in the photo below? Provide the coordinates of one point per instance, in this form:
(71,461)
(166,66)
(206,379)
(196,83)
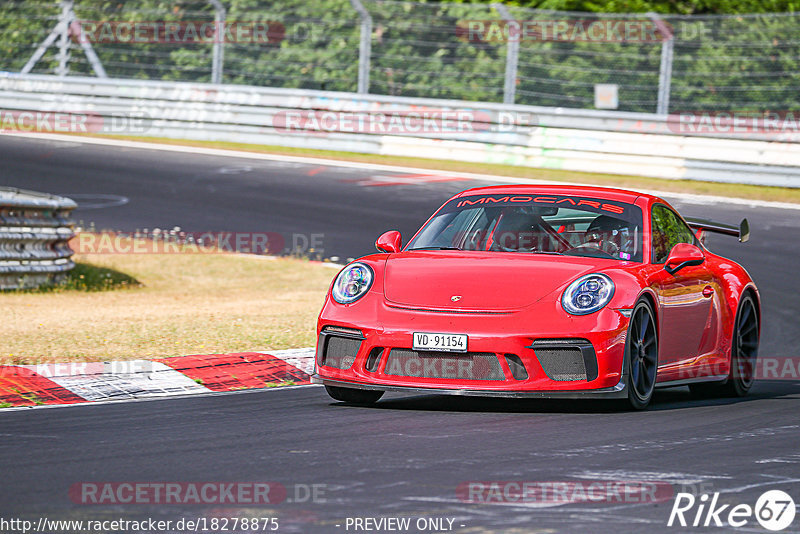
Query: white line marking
(87,201)
(686,197)
(511,504)
(759,485)
(790,459)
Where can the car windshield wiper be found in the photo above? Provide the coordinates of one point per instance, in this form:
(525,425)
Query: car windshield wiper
(435,248)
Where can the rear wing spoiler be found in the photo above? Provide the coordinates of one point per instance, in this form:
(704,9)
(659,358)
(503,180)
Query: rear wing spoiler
(701,226)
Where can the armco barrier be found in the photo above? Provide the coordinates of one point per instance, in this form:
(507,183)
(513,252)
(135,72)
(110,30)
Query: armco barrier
(568,139)
(34,232)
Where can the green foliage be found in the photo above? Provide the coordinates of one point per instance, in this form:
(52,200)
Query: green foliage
(677,7)
(730,62)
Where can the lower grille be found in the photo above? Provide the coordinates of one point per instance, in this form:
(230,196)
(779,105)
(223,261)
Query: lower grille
(430,364)
(340,352)
(566,360)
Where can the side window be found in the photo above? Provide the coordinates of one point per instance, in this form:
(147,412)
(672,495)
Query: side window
(668,230)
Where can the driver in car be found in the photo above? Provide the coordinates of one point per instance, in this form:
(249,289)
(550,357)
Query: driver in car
(611,235)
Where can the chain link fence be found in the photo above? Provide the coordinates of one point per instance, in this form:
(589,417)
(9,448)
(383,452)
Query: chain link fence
(477,52)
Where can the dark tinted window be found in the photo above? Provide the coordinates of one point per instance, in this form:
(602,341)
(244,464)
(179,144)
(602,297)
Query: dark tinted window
(668,231)
(544,224)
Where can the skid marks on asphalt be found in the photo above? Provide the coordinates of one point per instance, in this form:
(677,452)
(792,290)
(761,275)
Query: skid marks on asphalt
(624,475)
(383,180)
(632,516)
(667,444)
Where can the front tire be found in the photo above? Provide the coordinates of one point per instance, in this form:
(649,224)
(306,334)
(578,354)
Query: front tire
(641,356)
(354,396)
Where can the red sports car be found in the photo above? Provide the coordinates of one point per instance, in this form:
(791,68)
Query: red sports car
(542,291)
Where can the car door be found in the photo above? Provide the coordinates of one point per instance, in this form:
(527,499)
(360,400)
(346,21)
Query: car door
(684,299)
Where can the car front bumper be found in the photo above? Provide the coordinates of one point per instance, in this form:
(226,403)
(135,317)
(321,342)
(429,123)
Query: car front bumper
(380,353)
(616,392)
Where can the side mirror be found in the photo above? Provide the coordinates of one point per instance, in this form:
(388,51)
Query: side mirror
(744,231)
(683,255)
(390,241)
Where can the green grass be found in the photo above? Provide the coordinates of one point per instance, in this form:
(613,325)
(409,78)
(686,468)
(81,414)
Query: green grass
(279,384)
(130,306)
(86,277)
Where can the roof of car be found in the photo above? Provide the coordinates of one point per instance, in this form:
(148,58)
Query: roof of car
(608,193)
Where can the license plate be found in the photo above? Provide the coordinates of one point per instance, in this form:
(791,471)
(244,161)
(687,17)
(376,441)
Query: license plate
(442,342)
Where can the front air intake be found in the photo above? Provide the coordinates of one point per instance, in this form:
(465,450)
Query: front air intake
(566,360)
(338,346)
(516,366)
(374,359)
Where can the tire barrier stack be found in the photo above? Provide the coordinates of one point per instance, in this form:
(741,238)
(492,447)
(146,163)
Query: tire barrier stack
(35,229)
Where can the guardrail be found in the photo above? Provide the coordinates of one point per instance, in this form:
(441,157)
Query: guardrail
(35,229)
(568,139)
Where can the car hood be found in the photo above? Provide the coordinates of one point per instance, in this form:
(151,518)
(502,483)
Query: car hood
(482,280)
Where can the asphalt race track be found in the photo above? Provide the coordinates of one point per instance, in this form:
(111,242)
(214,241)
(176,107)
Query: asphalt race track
(406,456)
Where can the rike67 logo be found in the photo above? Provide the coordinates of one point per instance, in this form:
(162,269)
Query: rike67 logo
(774,510)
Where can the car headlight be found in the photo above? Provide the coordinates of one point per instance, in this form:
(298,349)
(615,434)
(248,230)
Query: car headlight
(587,294)
(352,283)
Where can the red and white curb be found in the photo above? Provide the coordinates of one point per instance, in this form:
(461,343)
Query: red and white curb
(75,383)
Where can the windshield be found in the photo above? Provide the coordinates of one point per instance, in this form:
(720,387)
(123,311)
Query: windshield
(551,224)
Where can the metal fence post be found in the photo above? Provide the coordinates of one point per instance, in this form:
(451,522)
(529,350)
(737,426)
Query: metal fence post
(218,57)
(364,46)
(665,69)
(64,21)
(67,25)
(512,54)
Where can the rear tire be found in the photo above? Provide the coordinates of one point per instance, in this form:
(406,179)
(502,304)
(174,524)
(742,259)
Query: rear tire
(744,352)
(354,396)
(641,356)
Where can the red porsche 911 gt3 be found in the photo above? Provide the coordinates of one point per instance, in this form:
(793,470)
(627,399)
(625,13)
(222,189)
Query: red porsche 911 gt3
(542,291)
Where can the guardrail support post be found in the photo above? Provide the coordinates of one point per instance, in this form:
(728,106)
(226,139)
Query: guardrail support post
(364,46)
(218,57)
(665,69)
(512,54)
